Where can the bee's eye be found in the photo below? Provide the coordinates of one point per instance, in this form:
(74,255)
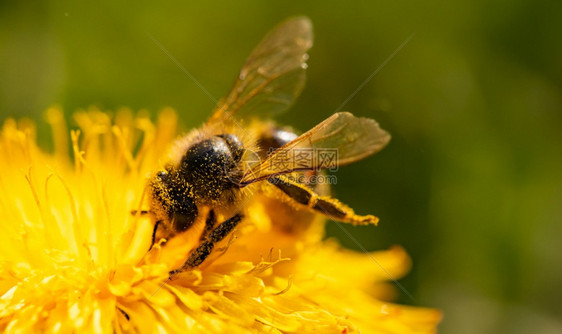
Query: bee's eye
(161,174)
(234,144)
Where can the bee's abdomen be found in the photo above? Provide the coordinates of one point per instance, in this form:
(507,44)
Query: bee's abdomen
(273,139)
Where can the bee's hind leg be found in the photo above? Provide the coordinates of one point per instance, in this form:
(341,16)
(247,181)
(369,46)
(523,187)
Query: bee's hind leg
(209,224)
(206,247)
(328,206)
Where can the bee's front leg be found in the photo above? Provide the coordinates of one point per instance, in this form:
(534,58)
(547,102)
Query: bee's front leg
(154,234)
(206,247)
(156,224)
(141,212)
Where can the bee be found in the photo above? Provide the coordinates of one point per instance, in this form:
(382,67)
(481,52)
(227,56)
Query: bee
(216,169)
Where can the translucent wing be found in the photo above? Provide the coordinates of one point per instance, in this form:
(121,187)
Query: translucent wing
(274,73)
(339,140)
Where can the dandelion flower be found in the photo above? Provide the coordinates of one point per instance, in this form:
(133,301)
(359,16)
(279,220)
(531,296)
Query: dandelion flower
(73,257)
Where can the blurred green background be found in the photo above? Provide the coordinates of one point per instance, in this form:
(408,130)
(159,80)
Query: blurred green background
(471,184)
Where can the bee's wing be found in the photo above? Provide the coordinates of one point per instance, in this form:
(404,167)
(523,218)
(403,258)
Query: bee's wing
(274,73)
(339,140)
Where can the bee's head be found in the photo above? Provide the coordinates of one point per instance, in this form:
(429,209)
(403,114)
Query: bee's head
(172,200)
(211,165)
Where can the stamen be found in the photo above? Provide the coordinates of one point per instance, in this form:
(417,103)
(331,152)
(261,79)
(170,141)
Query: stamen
(78,155)
(122,137)
(33,190)
(148,138)
(55,119)
(79,235)
(287,288)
